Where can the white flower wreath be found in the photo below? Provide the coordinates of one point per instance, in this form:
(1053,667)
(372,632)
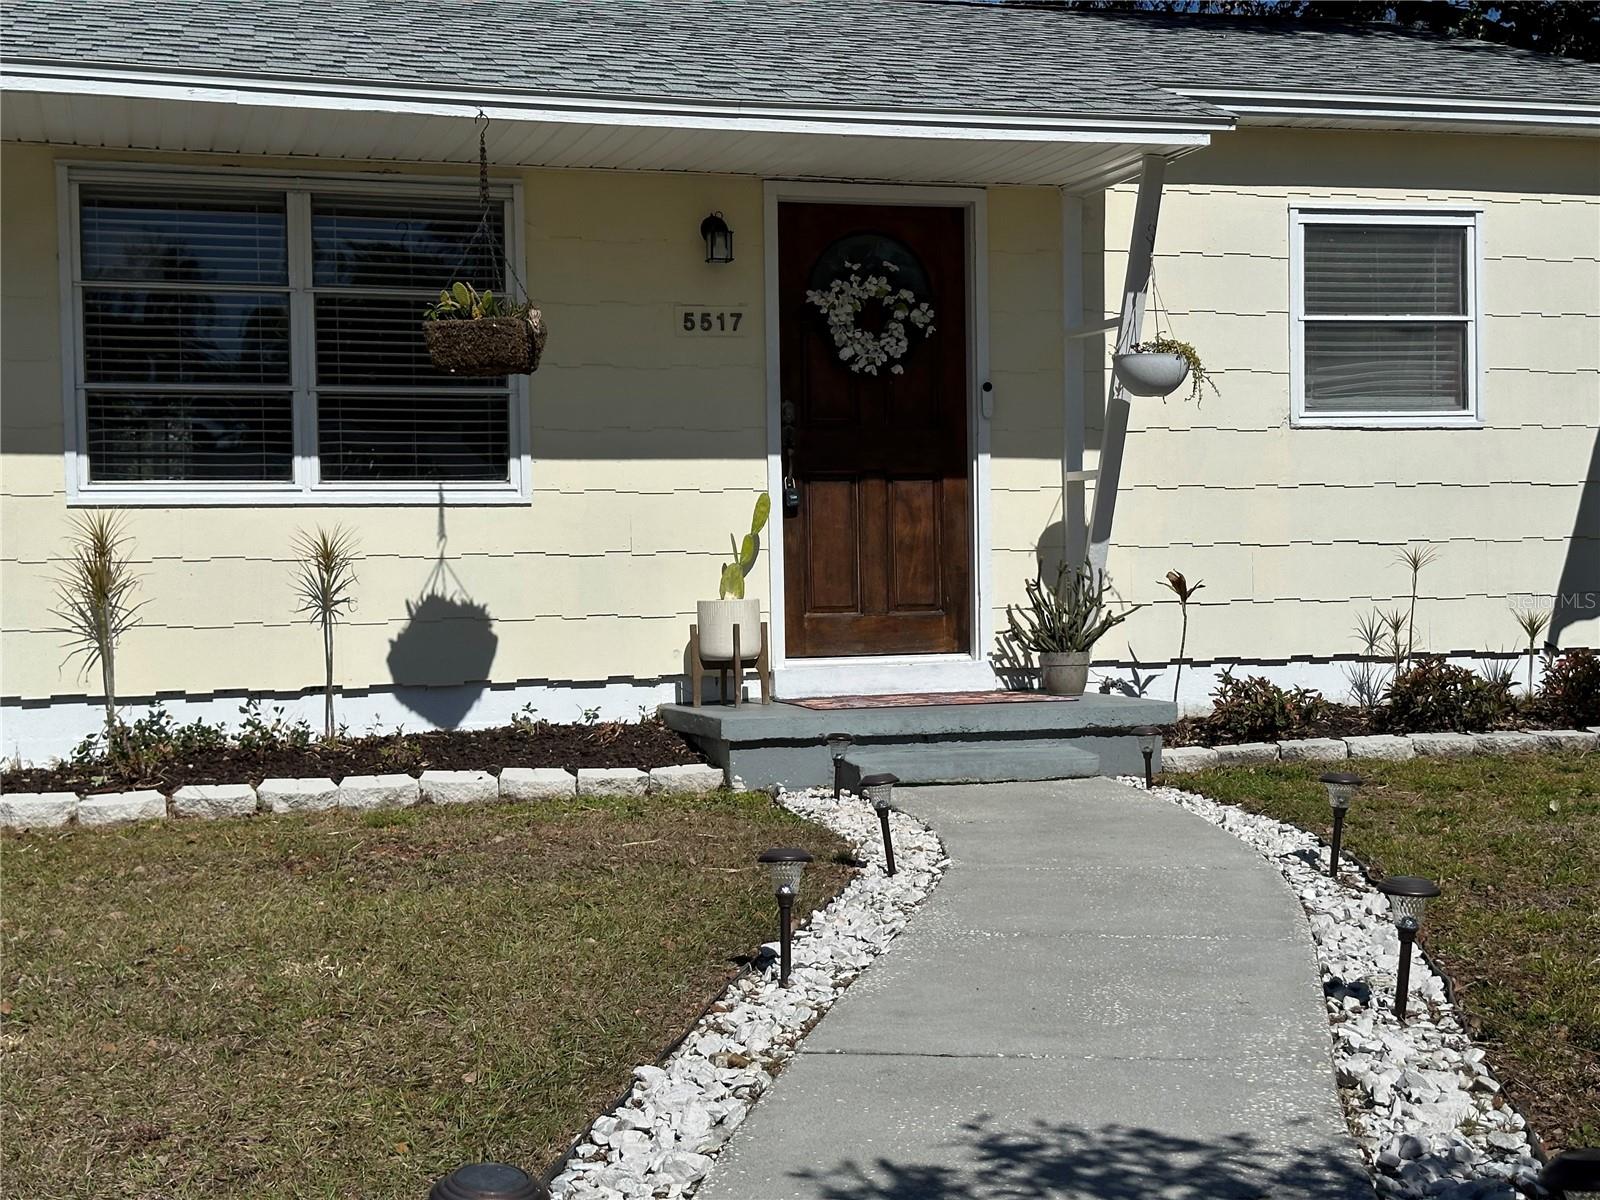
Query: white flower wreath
(843,301)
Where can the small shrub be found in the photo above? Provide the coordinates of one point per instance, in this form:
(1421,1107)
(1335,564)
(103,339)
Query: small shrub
(148,743)
(258,732)
(1570,689)
(1432,695)
(1258,710)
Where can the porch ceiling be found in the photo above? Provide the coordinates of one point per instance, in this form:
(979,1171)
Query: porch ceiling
(215,118)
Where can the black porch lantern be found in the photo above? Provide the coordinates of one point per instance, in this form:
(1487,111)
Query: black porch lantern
(878,790)
(1149,739)
(1573,1174)
(1408,900)
(718,238)
(787,863)
(1341,787)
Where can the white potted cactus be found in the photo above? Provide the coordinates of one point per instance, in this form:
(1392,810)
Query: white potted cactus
(718,618)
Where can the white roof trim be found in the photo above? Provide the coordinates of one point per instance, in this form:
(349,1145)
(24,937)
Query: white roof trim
(1431,112)
(509,105)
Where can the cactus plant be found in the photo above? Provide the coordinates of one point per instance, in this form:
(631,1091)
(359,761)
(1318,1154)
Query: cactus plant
(744,555)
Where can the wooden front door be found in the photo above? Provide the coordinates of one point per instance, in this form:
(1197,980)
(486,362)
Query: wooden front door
(877,556)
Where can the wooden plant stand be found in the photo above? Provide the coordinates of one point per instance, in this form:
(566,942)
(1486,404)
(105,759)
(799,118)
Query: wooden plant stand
(735,666)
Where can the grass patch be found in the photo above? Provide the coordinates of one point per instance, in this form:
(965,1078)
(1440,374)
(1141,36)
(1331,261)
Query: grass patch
(350,1005)
(1515,844)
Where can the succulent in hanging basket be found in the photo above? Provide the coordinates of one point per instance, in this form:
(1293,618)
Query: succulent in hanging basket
(481,334)
(1158,367)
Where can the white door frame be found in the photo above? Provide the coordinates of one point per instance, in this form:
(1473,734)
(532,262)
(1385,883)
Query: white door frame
(899,672)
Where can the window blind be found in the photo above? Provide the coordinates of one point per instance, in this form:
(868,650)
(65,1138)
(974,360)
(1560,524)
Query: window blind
(181,294)
(384,412)
(1386,318)
(198,362)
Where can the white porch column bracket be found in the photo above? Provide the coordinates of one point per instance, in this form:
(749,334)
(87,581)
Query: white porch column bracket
(1135,285)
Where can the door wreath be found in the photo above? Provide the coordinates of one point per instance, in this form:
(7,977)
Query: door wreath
(845,299)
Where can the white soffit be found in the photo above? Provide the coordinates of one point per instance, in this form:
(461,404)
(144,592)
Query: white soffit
(1333,110)
(216,117)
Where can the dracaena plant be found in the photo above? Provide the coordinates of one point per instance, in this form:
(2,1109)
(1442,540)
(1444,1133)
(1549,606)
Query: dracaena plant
(1534,620)
(1067,617)
(94,596)
(325,581)
(744,553)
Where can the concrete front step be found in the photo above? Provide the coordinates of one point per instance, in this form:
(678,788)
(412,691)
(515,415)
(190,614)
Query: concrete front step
(762,745)
(972,762)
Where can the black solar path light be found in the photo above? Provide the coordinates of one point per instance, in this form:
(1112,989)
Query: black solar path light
(1149,738)
(786,864)
(1341,787)
(879,792)
(838,746)
(1573,1174)
(488,1181)
(1408,899)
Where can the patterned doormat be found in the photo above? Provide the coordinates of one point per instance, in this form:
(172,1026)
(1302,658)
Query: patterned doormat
(920,699)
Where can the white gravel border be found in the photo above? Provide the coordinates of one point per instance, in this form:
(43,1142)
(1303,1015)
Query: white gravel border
(664,1137)
(1423,1106)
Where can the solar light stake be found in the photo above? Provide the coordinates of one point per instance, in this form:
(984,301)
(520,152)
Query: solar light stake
(487,1181)
(787,863)
(1573,1174)
(1149,738)
(879,791)
(838,746)
(1341,787)
(1408,899)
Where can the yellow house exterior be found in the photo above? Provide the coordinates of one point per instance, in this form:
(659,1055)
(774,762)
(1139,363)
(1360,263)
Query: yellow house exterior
(640,445)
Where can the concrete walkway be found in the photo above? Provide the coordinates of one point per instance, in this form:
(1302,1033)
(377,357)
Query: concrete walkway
(1106,997)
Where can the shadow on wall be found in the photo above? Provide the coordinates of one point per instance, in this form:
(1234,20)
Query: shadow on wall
(440,661)
(1578,593)
(1113,1162)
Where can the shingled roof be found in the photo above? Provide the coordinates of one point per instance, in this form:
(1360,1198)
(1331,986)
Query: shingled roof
(842,54)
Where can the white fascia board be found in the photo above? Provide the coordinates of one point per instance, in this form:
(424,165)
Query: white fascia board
(505,105)
(1424,111)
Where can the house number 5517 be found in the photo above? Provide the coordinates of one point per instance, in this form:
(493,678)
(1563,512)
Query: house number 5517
(710,320)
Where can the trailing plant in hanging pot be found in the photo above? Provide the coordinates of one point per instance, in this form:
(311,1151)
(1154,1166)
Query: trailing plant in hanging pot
(481,334)
(1060,625)
(1158,367)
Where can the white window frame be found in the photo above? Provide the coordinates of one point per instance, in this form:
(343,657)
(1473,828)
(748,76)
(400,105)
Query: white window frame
(303,489)
(1469,218)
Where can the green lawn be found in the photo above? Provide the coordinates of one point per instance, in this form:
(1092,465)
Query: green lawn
(1515,844)
(348,1005)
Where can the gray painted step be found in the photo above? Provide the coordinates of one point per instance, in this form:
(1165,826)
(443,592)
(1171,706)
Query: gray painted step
(972,762)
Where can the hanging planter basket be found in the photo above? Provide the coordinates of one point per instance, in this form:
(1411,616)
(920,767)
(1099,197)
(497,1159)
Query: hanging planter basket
(487,346)
(1146,373)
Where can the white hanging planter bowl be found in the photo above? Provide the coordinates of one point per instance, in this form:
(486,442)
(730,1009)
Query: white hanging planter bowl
(1145,373)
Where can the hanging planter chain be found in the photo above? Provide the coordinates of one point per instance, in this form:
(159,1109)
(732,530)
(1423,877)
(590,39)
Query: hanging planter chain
(468,332)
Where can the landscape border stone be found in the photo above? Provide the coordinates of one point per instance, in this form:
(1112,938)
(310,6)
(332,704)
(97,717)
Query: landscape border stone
(612,781)
(537,783)
(298,795)
(696,779)
(212,800)
(1313,750)
(37,810)
(1241,754)
(1444,745)
(370,792)
(459,787)
(122,808)
(1386,747)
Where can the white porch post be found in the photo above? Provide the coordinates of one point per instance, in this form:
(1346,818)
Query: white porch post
(1141,245)
(1074,531)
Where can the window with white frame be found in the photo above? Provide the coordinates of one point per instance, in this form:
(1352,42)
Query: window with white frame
(237,337)
(1385,317)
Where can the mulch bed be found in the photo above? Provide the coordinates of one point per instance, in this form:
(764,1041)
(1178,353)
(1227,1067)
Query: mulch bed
(609,744)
